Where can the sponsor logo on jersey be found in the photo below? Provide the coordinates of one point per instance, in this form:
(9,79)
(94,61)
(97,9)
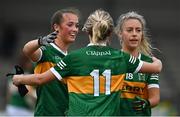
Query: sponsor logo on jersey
(133,89)
(97,53)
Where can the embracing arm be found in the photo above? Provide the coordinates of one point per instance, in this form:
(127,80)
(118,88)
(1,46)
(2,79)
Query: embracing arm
(33,79)
(154,67)
(154,96)
(32,50)
(141,105)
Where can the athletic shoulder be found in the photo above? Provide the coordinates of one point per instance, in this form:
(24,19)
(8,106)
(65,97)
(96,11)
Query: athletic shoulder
(46,47)
(146,58)
(77,51)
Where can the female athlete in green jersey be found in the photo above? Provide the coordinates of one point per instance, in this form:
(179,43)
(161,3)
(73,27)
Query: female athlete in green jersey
(46,54)
(94,74)
(140,91)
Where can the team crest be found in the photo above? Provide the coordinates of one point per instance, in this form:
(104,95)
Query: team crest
(57,58)
(141,76)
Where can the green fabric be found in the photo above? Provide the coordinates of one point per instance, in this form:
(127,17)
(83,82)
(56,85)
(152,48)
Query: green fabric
(88,105)
(136,84)
(52,98)
(83,61)
(98,59)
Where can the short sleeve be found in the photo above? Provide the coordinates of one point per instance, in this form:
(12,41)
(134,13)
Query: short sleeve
(62,68)
(133,64)
(153,81)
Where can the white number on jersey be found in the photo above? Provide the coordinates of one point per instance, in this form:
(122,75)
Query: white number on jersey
(107,76)
(129,76)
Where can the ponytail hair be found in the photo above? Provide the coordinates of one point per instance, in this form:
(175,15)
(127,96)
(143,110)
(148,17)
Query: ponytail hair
(99,26)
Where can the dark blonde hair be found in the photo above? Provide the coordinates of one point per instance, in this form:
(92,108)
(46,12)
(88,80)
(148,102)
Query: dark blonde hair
(145,45)
(99,26)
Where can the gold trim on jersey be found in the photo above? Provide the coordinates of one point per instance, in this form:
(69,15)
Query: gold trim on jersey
(84,84)
(43,67)
(132,89)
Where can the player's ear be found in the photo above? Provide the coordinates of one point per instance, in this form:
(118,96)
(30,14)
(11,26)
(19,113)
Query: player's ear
(56,27)
(120,34)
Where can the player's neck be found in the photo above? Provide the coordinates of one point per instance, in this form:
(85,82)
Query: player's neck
(133,52)
(63,46)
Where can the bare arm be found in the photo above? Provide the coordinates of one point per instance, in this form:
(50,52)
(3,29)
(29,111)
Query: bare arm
(33,79)
(154,96)
(32,51)
(154,67)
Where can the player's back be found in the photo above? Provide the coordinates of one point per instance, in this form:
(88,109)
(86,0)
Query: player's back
(94,80)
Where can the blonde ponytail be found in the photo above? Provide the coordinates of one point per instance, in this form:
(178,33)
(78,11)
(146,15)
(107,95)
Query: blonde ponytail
(99,25)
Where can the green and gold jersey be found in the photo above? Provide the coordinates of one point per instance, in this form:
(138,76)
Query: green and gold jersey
(136,84)
(94,76)
(52,98)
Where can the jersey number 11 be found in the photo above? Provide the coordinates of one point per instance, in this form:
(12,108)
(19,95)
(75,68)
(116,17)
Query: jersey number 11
(107,76)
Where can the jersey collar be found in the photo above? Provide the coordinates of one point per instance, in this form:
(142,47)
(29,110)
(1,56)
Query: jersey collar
(139,56)
(97,44)
(57,48)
